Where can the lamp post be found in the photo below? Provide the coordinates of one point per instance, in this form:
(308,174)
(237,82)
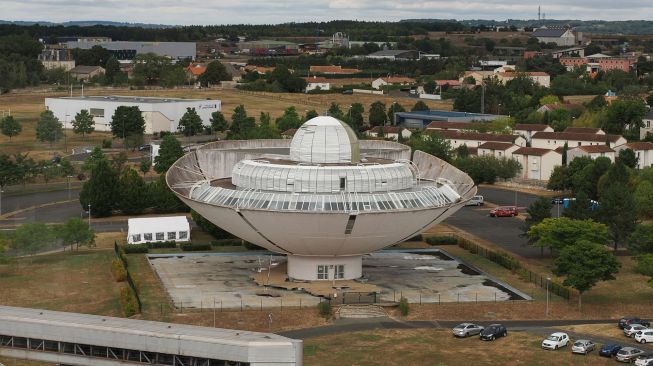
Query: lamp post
(89,215)
(68,178)
(548,279)
(65,139)
(1,201)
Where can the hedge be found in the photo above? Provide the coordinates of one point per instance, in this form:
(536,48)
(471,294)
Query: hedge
(161,244)
(417,237)
(118,270)
(403,306)
(128,301)
(135,248)
(191,247)
(442,240)
(226,243)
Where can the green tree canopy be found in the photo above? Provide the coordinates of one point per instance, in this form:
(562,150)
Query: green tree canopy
(335,111)
(169,152)
(289,119)
(48,127)
(310,115)
(112,69)
(432,144)
(127,122)
(641,240)
(377,116)
(392,109)
(214,74)
(617,211)
(32,237)
(355,116)
(101,190)
(242,126)
(643,197)
(133,193)
(83,123)
(76,232)
(559,233)
(420,106)
(622,114)
(10,127)
(536,212)
(628,158)
(190,124)
(145,165)
(218,122)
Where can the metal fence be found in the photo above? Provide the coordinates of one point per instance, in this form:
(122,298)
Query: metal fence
(130,280)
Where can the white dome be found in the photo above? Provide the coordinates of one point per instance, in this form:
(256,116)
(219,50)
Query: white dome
(324,140)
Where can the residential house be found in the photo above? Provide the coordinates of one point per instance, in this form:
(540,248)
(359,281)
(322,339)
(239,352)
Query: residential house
(528,129)
(536,163)
(332,70)
(455,84)
(395,55)
(194,70)
(317,83)
(541,78)
(554,106)
(390,132)
(476,139)
(53,58)
(259,69)
(591,151)
(289,133)
(647,124)
(454,126)
(497,149)
(553,140)
(643,151)
(478,76)
(86,72)
(596,131)
(561,36)
(569,52)
(392,80)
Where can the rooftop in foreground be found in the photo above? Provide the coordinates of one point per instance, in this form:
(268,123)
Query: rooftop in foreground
(131,99)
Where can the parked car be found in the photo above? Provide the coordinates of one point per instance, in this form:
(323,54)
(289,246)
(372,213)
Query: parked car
(347,91)
(644,336)
(629,354)
(557,200)
(555,341)
(583,346)
(644,360)
(504,211)
(632,329)
(627,320)
(493,332)
(475,201)
(466,329)
(609,350)
(146,147)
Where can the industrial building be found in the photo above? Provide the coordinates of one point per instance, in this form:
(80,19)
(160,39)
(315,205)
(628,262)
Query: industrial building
(81,339)
(421,119)
(160,114)
(324,199)
(127,50)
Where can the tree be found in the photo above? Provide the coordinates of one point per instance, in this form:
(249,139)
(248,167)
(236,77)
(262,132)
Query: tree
(643,197)
(218,122)
(145,165)
(83,123)
(565,149)
(111,69)
(377,114)
(628,158)
(10,127)
(289,119)
(561,232)
(214,74)
(355,116)
(584,264)
(163,198)
(48,127)
(242,126)
(190,123)
(310,115)
(559,179)
(127,122)
(133,193)
(264,118)
(622,114)
(420,106)
(537,211)
(616,210)
(76,232)
(101,190)
(392,109)
(641,240)
(169,152)
(549,99)
(9,171)
(31,237)
(335,111)
(431,144)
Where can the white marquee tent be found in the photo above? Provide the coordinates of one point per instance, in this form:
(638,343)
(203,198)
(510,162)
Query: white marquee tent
(156,229)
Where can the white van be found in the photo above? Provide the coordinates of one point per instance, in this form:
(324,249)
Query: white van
(475,201)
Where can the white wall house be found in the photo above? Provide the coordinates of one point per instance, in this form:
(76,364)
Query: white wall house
(554,140)
(591,151)
(317,83)
(475,139)
(648,125)
(528,129)
(537,164)
(160,114)
(157,229)
(643,151)
(390,132)
(497,149)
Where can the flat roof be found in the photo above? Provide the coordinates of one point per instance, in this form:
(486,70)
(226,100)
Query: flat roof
(442,113)
(133,99)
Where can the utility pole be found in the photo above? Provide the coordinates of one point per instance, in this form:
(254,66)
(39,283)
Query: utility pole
(482,96)
(548,279)
(89,215)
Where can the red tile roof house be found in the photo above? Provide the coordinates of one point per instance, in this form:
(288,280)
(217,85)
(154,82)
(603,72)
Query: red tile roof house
(195,69)
(392,80)
(497,149)
(643,151)
(332,70)
(537,164)
(596,131)
(553,140)
(593,151)
(454,126)
(475,139)
(528,129)
(390,132)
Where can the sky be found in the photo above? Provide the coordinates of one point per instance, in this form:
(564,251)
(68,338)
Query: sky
(205,12)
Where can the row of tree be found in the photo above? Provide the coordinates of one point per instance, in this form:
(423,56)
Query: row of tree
(34,237)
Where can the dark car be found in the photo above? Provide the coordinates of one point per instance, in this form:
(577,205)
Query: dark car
(609,350)
(493,332)
(628,320)
(347,91)
(557,200)
(504,211)
(146,147)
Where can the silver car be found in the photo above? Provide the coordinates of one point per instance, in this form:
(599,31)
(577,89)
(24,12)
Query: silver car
(466,330)
(632,329)
(583,346)
(628,354)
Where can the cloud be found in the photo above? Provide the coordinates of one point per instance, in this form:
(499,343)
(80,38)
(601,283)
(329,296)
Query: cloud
(204,12)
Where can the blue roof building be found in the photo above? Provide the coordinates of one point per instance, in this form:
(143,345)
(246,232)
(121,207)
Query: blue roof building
(421,119)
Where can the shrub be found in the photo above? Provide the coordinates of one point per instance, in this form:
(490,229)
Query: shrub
(118,270)
(324,307)
(417,237)
(106,143)
(403,306)
(135,248)
(226,243)
(128,301)
(191,247)
(442,240)
(161,244)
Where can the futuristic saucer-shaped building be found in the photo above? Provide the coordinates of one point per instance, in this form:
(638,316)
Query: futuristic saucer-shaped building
(324,199)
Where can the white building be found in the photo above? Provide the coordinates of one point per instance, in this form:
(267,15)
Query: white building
(476,139)
(392,80)
(157,229)
(390,132)
(497,149)
(317,83)
(528,129)
(324,199)
(561,36)
(591,151)
(537,164)
(643,151)
(160,114)
(554,140)
(648,125)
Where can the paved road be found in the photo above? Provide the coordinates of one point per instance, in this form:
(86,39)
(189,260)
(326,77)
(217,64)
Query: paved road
(16,202)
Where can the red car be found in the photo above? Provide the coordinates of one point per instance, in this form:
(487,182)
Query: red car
(504,211)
